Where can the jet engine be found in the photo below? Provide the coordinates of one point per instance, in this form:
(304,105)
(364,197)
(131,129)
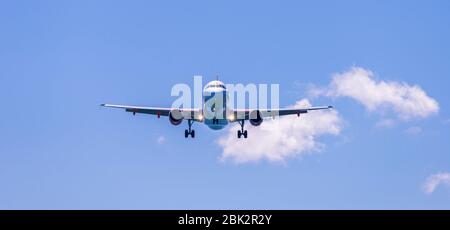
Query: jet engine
(175,117)
(255,118)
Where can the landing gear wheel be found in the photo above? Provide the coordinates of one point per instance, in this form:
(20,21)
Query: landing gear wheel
(189,131)
(242,132)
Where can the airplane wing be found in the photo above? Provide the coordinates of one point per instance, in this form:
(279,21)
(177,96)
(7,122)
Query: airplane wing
(186,113)
(265,113)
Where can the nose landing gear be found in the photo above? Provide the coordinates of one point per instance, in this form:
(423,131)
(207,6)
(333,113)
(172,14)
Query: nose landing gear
(242,132)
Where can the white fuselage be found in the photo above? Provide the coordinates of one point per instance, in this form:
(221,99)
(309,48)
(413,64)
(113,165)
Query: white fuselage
(215,105)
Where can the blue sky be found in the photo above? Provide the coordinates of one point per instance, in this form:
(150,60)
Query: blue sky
(61,59)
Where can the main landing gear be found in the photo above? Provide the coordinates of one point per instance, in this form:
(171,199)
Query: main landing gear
(242,132)
(189,131)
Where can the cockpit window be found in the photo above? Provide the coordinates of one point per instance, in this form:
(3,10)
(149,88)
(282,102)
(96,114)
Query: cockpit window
(213,86)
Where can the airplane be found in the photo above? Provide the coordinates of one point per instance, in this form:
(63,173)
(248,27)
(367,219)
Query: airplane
(218,117)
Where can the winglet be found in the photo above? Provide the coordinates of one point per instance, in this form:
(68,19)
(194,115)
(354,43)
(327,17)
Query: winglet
(330,107)
(102,104)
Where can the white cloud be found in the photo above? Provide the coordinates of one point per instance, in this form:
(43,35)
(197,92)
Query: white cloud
(414,130)
(434,181)
(161,140)
(405,100)
(282,138)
